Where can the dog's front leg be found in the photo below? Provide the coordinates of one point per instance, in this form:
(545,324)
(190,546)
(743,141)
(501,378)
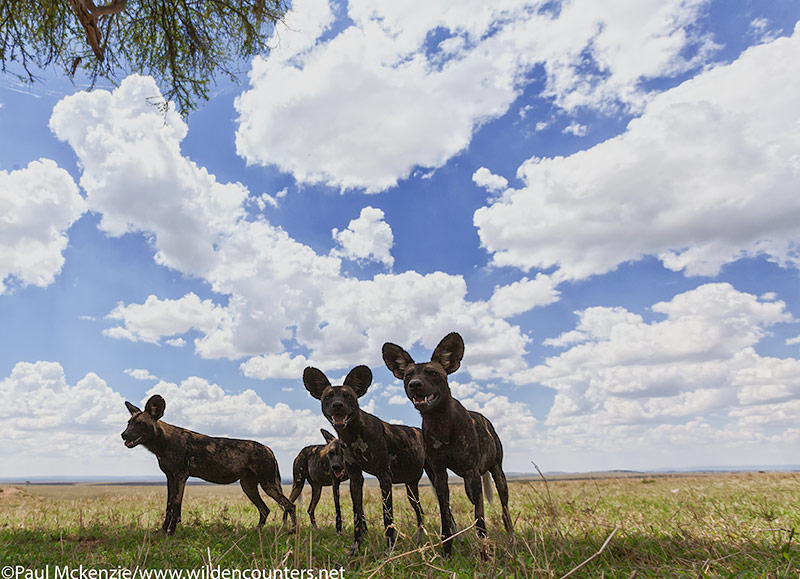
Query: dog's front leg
(177,502)
(337,506)
(388,513)
(443,496)
(170,501)
(357,496)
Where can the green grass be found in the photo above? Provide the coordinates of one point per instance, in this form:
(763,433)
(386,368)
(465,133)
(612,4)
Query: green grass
(739,525)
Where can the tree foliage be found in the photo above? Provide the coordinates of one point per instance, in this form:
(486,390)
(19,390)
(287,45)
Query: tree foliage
(183,44)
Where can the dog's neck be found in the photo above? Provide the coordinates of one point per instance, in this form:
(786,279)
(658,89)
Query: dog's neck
(158,442)
(351,430)
(439,418)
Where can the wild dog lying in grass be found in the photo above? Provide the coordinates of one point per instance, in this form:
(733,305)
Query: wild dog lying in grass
(322,465)
(392,453)
(463,441)
(182,453)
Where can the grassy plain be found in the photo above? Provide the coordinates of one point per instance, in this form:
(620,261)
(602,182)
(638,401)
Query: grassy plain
(721,525)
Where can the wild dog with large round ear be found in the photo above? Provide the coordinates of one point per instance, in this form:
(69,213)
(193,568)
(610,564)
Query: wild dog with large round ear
(463,441)
(392,453)
(182,453)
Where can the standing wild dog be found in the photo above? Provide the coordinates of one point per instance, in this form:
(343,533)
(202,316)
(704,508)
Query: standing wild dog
(182,453)
(461,440)
(392,453)
(322,465)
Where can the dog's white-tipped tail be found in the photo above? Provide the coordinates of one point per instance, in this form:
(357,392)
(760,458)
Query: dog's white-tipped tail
(487,487)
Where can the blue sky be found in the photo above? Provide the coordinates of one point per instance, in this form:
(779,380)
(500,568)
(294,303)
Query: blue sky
(601,197)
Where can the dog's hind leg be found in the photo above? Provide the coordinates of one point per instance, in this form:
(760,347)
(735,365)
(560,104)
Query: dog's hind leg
(474,488)
(502,491)
(412,490)
(273,489)
(249,485)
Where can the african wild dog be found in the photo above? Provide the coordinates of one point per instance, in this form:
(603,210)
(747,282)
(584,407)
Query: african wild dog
(322,465)
(463,441)
(182,453)
(392,453)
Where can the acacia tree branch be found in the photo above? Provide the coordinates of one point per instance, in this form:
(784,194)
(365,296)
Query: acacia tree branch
(89,24)
(88,12)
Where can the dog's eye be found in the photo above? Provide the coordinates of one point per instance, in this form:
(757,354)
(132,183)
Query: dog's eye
(430,371)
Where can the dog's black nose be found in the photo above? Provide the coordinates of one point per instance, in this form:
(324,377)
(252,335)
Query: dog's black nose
(336,406)
(415,384)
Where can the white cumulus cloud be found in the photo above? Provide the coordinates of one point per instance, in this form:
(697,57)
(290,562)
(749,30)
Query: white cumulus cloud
(38,205)
(523,295)
(135,176)
(708,174)
(276,289)
(364,108)
(367,238)
(282,365)
(627,382)
(155,318)
(140,374)
(50,426)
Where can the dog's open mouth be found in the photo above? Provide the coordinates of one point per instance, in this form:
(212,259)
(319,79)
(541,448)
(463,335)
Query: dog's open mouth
(424,401)
(132,443)
(339,419)
(338,473)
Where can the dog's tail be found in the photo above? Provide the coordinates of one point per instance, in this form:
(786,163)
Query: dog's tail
(487,487)
(299,474)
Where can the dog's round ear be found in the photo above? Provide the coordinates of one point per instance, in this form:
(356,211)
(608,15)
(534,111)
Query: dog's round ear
(327,435)
(155,406)
(396,359)
(315,382)
(131,408)
(449,352)
(359,379)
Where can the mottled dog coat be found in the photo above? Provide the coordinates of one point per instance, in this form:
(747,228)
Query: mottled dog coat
(392,453)
(182,453)
(322,465)
(463,441)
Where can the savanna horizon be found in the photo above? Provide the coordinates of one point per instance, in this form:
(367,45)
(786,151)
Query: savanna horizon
(668,525)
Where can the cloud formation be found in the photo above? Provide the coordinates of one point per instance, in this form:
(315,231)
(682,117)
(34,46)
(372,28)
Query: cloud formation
(355,110)
(136,178)
(45,419)
(623,382)
(367,238)
(273,289)
(38,205)
(707,175)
